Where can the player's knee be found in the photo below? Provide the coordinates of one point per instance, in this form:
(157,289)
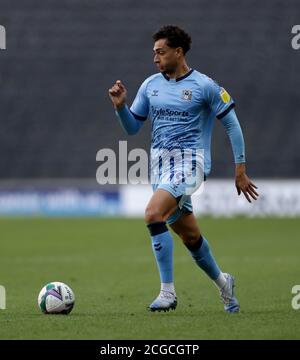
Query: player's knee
(190,239)
(152,215)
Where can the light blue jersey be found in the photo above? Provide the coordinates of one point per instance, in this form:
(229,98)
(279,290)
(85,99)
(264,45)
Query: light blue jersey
(182,111)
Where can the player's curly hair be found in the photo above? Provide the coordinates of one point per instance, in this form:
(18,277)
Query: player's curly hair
(176,37)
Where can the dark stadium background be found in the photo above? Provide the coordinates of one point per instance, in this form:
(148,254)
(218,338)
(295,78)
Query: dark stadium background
(63,55)
(55,115)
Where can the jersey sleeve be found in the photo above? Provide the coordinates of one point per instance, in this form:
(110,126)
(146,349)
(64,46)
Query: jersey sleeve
(218,99)
(140,105)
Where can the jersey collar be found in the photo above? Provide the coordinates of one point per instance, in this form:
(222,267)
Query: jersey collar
(179,78)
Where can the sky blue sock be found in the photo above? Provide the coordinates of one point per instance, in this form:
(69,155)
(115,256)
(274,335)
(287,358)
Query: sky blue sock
(204,258)
(162,245)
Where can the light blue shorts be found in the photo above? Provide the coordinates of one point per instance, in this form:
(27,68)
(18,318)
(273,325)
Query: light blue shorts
(184,202)
(178,191)
(181,179)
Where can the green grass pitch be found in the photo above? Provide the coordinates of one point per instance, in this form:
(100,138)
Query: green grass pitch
(110,266)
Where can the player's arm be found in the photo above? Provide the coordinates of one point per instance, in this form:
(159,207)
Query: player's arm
(234,131)
(222,105)
(130,121)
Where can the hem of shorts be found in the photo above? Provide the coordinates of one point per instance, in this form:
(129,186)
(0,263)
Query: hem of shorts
(182,211)
(167,188)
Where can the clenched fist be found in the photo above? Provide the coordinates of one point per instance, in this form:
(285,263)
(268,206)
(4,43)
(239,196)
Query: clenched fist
(117,94)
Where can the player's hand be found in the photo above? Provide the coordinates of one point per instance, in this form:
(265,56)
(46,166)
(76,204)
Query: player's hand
(244,184)
(117,94)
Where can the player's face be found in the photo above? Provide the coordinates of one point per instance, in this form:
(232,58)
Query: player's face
(165,57)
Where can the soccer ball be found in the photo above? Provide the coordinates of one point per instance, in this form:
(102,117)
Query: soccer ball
(56,298)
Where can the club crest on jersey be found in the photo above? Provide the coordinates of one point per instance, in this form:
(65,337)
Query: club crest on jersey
(186,94)
(154,93)
(224,95)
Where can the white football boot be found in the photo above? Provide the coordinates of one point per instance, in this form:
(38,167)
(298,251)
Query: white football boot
(231,304)
(165,301)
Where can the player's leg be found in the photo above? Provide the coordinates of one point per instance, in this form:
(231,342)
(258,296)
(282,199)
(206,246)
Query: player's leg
(161,205)
(188,230)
